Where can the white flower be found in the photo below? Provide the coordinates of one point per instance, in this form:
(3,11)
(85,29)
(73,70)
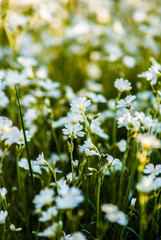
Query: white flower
(40,159)
(96,98)
(133,201)
(114,215)
(149,141)
(129,61)
(75,236)
(69,199)
(5,125)
(113,165)
(122,145)
(90,148)
(3,215)
(79,105)
(73,131)
(51,231)
(45,197)
(146,184)
(14,229)
(122,85)
(128,121)
(15,136)
(48,215)
(153,73)
(153,171)
(3,192)
(126,103)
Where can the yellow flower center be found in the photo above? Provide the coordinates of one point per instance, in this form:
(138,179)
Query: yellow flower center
(4,130)
(81,108)
(21,139)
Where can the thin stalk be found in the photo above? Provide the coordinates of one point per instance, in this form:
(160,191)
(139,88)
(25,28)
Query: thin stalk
(122,173)
(71,158)
(26,144)
(98,208)
(54,175)
(56,141)
(130,182)
(114,124)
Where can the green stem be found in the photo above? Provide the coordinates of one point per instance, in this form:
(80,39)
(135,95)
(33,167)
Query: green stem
(54,175)
(71,158)
(122,173)
(26,144)
(115,121)
(98,207)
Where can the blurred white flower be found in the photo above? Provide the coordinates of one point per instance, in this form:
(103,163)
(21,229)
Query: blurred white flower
(48,215)
(122,85)
(75,236)
(15,136)
(122,145)
(14,229)
(51,231)
(3,215)
(152,170)
(129,61)
(113,214)
(3,192)
(148,141)
(45,197)
(125,103)
(146,184)
(69,199)
(153,73)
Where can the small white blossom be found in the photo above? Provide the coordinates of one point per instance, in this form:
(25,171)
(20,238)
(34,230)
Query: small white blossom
(14,229)
(152,170)
(153,73)
(89,148)
(133,201)
(75,236)
(73,131)
(149,141)
(45,197)
(79,105)
(48,215)
(3,192)
(146,184)
(3,215)
(51,231)
(128,121)
(125,103)
(69,199)
(122,85)
(113,214)
(122,145)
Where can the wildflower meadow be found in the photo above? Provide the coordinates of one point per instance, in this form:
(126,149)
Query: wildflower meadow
(80,119)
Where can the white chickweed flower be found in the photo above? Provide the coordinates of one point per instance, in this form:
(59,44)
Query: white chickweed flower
(113,214)
(3,215)
(3,192)
(69,199)
(73,131)
(152,170)
(122,85)
(79,105)
(149,141)
(126,103)
(45,197)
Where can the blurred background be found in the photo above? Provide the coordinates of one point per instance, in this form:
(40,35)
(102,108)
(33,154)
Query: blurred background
(76,41)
